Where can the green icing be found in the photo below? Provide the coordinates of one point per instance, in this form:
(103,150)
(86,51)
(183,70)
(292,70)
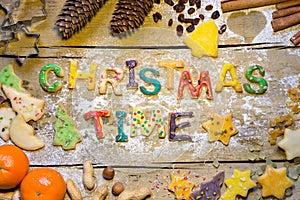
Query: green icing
(9,78)
(66,133)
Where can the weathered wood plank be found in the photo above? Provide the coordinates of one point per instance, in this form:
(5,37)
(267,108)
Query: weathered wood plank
(251,113)
(158,179)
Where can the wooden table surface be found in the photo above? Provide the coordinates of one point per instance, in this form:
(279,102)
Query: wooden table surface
(149,161)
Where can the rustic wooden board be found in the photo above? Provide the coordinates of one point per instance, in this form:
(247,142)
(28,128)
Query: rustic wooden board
(151,160)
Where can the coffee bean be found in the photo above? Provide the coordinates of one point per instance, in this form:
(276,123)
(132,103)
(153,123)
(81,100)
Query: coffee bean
(196,21)
(179,30)
(181,17)
(198,4)
(201,16)
(169,2)
(215,15)
(179,8)
(157,1)
(192,2)
(170,22)
(191,10)
(209,7)
(157,16)
(222,29)
(190,28)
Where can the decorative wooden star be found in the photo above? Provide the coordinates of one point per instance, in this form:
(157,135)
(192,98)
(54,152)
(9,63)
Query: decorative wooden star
(290,143)
(274,182)
(220,128)
(181,186)
(238,184)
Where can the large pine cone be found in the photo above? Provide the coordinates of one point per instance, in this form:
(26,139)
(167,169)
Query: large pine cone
(129,14)
(75,14)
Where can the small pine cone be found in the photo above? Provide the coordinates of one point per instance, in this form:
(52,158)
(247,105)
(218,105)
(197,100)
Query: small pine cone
(75,14)
(129,14)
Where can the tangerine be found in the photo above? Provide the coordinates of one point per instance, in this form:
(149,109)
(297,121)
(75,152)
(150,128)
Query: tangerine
(14,166)
(43,184)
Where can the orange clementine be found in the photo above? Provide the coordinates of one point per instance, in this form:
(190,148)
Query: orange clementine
(43,184)
(14,166)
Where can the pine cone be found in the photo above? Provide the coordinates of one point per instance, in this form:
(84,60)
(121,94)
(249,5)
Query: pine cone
(129,14)
(75,14)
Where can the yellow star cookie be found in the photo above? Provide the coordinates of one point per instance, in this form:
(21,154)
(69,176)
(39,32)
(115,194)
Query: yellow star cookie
(238,184)
(220,128)
(274,182)
(290,143)
(181,186)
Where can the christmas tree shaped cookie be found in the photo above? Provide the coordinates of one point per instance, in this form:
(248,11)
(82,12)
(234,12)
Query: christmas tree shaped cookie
(66,134)
(181,186)
(204,40)
(24,104)
(210,189)
(9,78)
(238,184)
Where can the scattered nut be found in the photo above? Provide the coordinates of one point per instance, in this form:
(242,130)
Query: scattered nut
(137,194)
(73,191)
(101,193)
(117,188)
(88,175)
(108,173)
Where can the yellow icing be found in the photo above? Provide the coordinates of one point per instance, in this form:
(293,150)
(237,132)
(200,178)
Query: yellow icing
(181,186)
(204,40)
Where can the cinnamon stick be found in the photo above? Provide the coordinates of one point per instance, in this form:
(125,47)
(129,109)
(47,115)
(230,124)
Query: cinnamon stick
(285,12)
(296,39)
(287,4)
(285,22)
(228,6)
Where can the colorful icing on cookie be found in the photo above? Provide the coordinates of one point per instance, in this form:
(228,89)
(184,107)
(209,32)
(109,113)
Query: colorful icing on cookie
(253,79)
(204,40)
(171,66)
(131,64)
(290,143)
(211,189)
(235,83)
(2,95)
(121,137)
(6,116)
(195,91)
(278,126)
(156,119)
(24,104)
(154,82)
(220,128)
(96,115)
(239,184)
(173,126)
(274,182)
(22,134)
(106,78)
(66,134)
(58,71)
(181,186)
(74,74)
(10,79)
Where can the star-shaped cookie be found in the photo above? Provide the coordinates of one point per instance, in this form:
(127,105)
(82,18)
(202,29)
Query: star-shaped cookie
(238,184)
(181,186)
(274,182)
(220,128)
(290,143)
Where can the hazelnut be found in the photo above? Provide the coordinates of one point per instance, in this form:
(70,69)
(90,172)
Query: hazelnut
(108,173)
(117,188)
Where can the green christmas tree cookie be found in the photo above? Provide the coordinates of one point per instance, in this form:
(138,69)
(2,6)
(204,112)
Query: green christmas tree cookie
(9,78)
(66,134)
